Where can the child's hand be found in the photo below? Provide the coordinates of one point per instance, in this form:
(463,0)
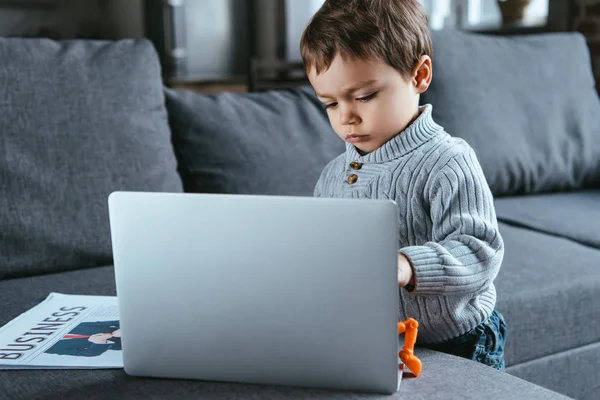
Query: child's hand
(405,272)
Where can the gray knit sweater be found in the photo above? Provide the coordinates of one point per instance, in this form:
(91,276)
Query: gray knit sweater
(448,226)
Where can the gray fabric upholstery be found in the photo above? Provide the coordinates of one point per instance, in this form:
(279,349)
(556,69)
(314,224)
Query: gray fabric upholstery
(78,120)
(548,292)
(574,373)
(443,376)
(251,143)
(527,105)
(573,215)
(20,294)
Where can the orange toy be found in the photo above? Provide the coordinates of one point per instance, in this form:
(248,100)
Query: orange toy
(410,327)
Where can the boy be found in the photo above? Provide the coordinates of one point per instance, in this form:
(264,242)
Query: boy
(368,61)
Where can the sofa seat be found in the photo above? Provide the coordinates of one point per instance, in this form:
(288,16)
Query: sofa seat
(442,376)
(548,292)
(573,372)
(572,215)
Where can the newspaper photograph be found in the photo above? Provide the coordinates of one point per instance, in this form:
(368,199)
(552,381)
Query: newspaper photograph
(64,332)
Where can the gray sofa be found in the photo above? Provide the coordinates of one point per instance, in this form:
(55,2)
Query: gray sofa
(80,119)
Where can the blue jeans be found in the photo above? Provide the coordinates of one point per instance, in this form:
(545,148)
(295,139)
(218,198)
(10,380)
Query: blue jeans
(484,343)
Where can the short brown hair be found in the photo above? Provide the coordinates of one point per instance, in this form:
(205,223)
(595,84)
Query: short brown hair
(395,31)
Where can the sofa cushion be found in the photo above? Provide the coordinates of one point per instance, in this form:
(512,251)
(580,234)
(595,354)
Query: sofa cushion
(582,381)
(274,143)
(527,105)
(441,377)
(548,292)
(78,120)
(572,215)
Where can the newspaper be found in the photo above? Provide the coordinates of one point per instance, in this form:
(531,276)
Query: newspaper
(64,332)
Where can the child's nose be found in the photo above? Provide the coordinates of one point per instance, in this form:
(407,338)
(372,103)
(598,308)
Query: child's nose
(348,116)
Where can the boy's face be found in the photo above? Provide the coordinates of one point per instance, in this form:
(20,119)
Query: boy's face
(368,102)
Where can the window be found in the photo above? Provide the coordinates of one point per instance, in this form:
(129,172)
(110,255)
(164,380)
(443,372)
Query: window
(479,13)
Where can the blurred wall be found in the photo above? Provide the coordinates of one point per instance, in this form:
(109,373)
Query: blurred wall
(59,19)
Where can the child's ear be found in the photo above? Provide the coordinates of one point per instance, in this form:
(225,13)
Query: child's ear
(422,74)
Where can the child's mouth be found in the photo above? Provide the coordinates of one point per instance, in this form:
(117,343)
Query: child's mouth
(357,138)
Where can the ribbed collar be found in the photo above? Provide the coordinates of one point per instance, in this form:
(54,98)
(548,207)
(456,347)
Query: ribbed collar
(418,132)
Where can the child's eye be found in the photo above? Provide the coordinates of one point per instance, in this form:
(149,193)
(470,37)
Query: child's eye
(330,105)
(367,98)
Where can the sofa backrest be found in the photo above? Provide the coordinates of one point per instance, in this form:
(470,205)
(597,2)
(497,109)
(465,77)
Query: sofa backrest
(78,120)
(526,104)
(273,143)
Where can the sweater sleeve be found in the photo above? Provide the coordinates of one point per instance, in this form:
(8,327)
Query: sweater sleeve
(466,250)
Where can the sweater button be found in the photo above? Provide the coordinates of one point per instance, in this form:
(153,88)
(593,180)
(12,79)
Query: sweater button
(355,165)
(352,179)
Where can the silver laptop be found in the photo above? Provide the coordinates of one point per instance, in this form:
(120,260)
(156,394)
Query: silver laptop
(294,291)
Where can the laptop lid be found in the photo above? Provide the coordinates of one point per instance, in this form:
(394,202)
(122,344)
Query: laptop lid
(295,291)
